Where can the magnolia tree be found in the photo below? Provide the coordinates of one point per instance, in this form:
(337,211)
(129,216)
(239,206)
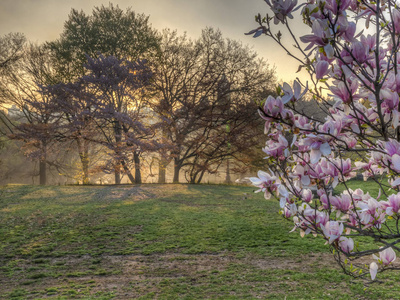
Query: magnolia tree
(351,56)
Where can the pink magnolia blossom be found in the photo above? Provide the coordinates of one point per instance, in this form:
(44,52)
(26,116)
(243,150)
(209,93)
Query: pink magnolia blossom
(322,219)
(390,100)
(345,93)
(342,202)
(392,148)
(302,122)
(347,59)
(321,69)
(311,11)
(318,145)
(392,206)
(290,210)
(278,149)
(320,37)
(333,127)
(332,230)
(348,35)
(346,244)
(293,94)
(318,172)
(371,213)
(352,220)
(282,9)
(307,195)
(363,165)
(393,82)
(336,8)
(287,213)
(267,183)
(309,219)
(360,52)
(301,172)
(396,21)
(358,195)
(386,257)
(339,169)
(273,109)
(326,200)
(273,106)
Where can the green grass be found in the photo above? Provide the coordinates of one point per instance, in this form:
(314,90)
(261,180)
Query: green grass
(162,241)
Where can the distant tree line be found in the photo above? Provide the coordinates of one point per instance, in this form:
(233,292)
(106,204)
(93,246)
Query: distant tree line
(112,91)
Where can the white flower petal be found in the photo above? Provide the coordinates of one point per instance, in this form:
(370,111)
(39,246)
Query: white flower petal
(329,51)
(355,128)
(395,122)
(395,182)
(396,162)
(255,180)
(305,180)
(325,149)
(282,202)
(315,156)
(373,270)
(296,89)
(283,191)
(335,182)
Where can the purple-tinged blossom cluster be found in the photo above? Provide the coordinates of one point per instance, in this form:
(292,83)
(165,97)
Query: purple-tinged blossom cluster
(266,183)
(282,9)
(360,73)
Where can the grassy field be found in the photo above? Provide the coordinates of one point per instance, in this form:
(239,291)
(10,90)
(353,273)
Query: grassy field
(164,242)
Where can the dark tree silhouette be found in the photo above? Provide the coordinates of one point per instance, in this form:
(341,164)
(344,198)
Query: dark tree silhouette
(202,86)
(106,107)
(108,31)
(19,87)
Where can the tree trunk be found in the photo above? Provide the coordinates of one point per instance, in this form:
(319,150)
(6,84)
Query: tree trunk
(162,174)
(42,172)
(192,179)
(118,162)
(228,173)
(193,174)
(42,166)
(163,162)
(117,175)
(201,176)
(83,147)
(162,169)
(127,171)
(177,168)
(138,176)
(85,169)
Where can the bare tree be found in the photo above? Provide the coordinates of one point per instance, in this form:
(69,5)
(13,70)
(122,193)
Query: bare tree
(11,50)
(200,85)
(19,87)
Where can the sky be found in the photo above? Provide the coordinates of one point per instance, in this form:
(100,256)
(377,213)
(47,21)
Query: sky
(43,20)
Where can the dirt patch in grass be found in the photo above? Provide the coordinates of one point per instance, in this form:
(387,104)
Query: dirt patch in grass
(132,276)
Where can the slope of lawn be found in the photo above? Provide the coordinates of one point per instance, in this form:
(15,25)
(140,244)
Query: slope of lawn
(162,241)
